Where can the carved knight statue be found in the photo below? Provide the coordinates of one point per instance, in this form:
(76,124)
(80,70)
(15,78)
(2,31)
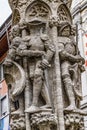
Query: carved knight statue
(39,51)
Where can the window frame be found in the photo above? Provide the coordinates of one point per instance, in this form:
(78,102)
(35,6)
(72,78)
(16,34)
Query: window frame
(2,114)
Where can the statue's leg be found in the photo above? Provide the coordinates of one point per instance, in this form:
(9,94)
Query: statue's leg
(11,100)
(20,110)
(12,105)
(46,95)
(70,93)
(37,86)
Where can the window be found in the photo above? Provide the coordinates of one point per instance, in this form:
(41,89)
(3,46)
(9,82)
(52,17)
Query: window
(1,72)
(3,106)
(0,123)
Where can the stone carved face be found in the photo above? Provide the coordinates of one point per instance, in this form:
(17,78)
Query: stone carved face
(15,31)
(16,41)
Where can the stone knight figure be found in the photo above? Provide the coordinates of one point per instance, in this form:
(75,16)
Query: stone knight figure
(40,51)
(69,58)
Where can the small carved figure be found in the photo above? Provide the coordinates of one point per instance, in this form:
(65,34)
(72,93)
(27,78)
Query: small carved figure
(69,58)
(40,52)
(15,40)
(12,57)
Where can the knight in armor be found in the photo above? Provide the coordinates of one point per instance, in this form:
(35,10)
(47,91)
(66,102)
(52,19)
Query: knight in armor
(68,59)
(40,51)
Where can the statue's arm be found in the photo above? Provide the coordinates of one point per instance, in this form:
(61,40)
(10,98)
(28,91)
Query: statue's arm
(50,50)
(72,58)
(30,53)
(64,55)
(10,56)
(24,49)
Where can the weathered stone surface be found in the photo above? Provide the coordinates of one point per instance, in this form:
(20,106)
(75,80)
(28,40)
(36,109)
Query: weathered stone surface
(17,122)
(43,118)
(74,120)
(43,67)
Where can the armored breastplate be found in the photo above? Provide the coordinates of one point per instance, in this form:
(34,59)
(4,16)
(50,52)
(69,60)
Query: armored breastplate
(36,43)
(70,48)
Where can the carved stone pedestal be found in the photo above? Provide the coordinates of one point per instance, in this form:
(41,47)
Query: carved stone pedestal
(43,120)
(17,122)
(74,121)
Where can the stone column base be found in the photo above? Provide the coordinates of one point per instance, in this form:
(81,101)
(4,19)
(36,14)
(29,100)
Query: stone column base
(74,120)
(43,120)
(17,122)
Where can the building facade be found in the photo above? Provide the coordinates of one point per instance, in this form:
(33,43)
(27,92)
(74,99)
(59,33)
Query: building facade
(4,100)
(79,13)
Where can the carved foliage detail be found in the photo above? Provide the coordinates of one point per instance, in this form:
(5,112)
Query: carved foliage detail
(74,121)
(37,11)
(17,122)
(42,119)
(63,14)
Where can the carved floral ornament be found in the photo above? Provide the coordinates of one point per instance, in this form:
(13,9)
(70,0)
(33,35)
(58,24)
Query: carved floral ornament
(64,14)
(54,21)
(19,3)
(37,12)
(40,11)
(74,121)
